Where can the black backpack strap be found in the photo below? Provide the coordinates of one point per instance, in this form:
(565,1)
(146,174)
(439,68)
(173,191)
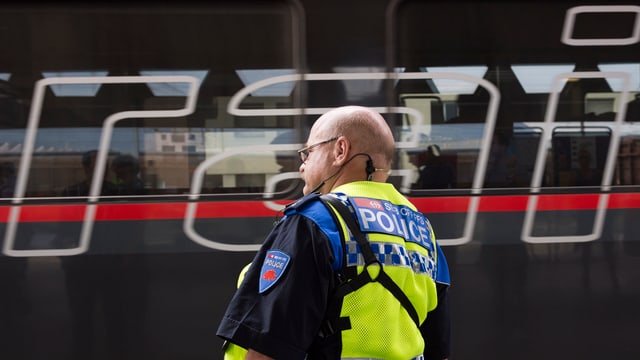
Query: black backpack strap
(370,259)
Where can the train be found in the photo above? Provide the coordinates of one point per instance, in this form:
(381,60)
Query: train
(147,149)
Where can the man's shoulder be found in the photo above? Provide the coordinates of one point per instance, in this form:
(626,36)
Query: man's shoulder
(302,203)
(313,207)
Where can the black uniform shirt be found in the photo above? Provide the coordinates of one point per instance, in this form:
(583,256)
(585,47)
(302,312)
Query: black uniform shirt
(279,307)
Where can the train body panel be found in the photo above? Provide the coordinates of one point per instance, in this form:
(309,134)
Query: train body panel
(145,153)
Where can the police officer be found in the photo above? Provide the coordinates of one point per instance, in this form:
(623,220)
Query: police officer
(349,274)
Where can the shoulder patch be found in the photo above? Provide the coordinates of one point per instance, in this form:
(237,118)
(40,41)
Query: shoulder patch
(273,266)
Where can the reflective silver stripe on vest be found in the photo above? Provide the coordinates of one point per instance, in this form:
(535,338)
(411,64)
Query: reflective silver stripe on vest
(391,254)
(419,357)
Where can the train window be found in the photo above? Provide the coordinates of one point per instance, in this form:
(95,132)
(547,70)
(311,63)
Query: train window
(152,84)
(544,79)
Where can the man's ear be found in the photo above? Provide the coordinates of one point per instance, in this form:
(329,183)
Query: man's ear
(341,151)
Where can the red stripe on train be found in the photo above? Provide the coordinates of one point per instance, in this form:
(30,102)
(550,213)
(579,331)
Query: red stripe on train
(507,203)
(242,209)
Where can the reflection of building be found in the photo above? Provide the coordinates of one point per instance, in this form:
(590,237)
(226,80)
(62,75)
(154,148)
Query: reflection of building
(174,141)
(629,162)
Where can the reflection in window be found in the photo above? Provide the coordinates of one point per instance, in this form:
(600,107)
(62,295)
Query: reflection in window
(452,86)
(68,140)
(87,90)
(633,69)
(177,138)
(173,89)
(538,79)
(360,89)
(579,156)
(249,76)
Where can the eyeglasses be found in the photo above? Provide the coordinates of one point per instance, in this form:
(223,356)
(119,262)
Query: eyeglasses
(304,153)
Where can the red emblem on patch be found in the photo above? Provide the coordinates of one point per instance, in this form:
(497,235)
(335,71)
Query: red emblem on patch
(368,203)
(269,275)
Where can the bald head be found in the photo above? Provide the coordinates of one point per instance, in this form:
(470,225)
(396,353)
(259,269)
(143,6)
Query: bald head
(366,129)
(340,145)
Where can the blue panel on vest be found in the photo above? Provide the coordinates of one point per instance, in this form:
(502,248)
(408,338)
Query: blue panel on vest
(379,216)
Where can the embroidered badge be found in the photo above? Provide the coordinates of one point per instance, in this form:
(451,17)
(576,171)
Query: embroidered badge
(274,265)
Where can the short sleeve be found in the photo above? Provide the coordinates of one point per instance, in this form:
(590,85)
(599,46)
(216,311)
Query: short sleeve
(281,303)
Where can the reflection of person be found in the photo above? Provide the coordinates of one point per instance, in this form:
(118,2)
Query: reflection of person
(302,297)
(433,172)
(127,175)
(83,187)
(113,276)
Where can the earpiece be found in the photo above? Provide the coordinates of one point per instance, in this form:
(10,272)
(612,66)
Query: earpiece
(370,169)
